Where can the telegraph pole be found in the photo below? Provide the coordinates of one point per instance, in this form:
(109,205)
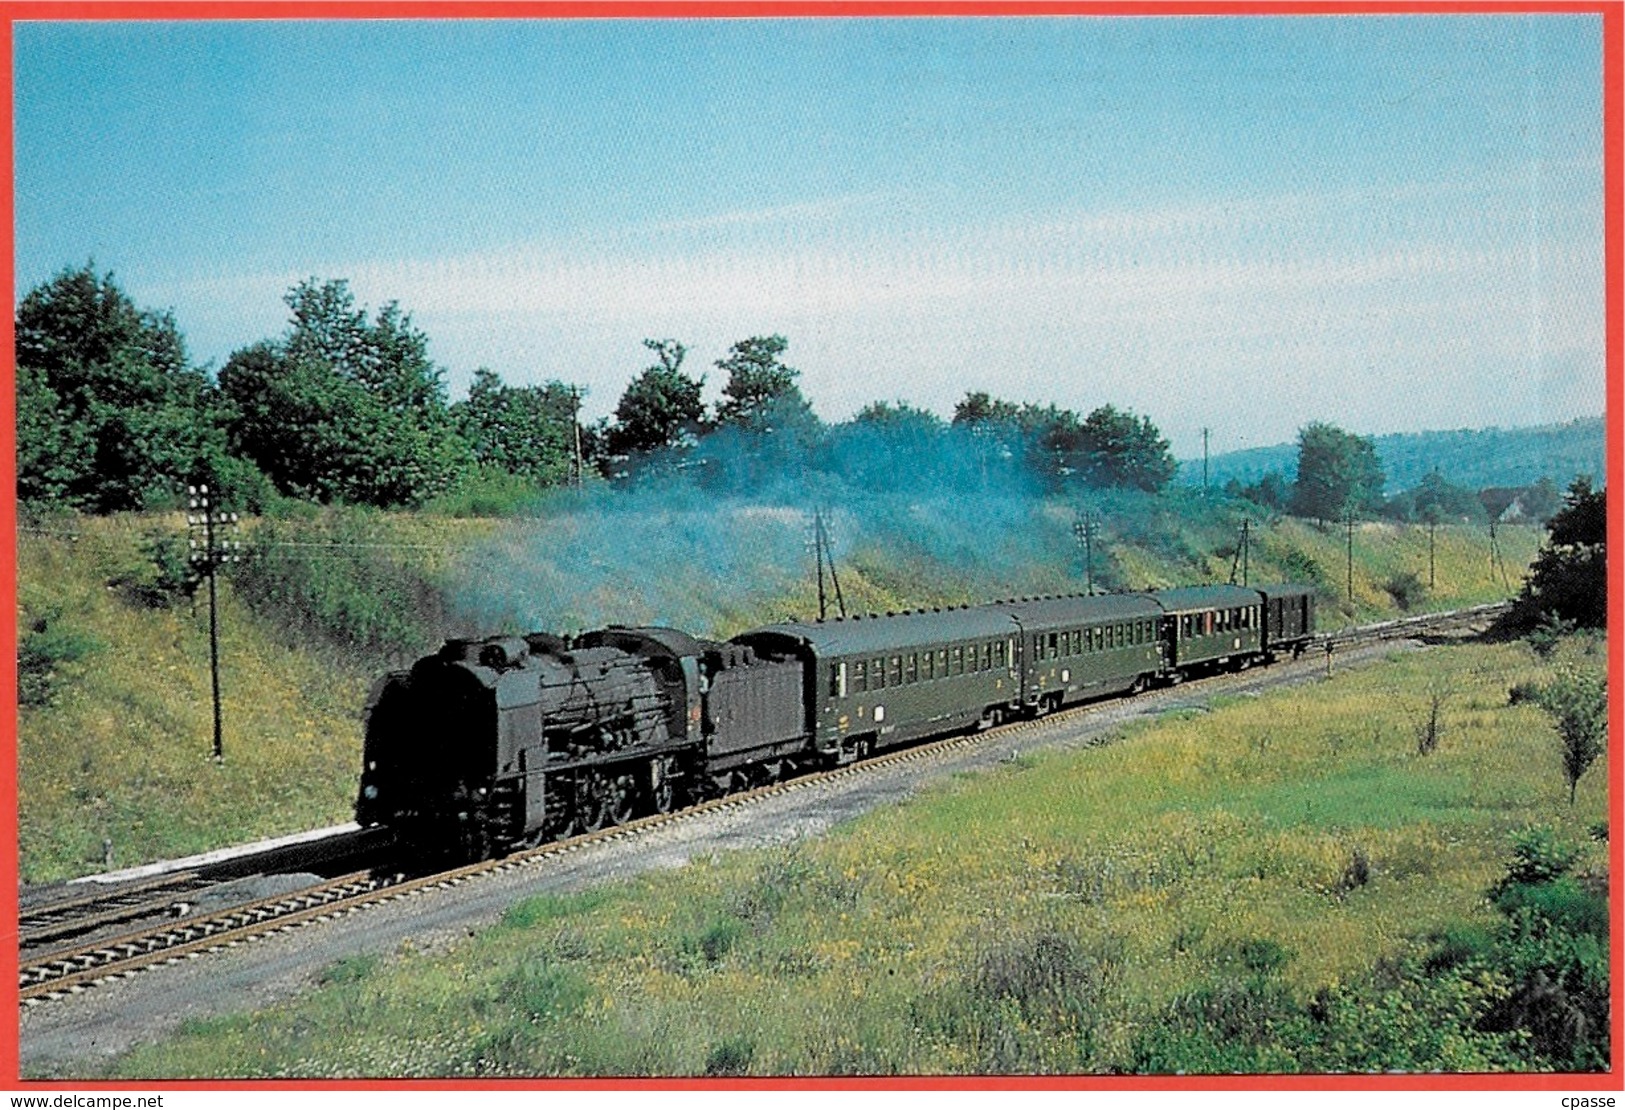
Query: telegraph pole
(1351,554)
(208,555)
(1242,553)
(575,432)
(1084,530)
(1432,527)
(834,577)
(1246,549)
(1204,462)
(818,559)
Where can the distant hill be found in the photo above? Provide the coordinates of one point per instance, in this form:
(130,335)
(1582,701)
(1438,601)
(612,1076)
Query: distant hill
(1474,459)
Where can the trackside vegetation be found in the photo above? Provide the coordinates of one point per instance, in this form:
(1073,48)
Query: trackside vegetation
(1287,883)
(115,718)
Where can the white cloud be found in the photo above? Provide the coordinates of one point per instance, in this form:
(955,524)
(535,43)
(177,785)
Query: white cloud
(1331,307)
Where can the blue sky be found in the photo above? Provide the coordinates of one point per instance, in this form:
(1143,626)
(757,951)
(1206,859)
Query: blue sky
(1391,223)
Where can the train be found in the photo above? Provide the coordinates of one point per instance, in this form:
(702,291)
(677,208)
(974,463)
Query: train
(490,745)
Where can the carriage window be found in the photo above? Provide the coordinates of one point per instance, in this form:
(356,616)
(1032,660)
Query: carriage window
(1185,626)
(958,660)
(837,680)
(894,676)
(928,668)
(942,661)
(1052,651)
(987,657)
(877,674)
(860,677)
(912,673)
(1038,647)
(1077,642)
(998,654)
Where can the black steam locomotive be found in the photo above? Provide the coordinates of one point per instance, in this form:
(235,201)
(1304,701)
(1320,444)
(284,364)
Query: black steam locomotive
(489,745)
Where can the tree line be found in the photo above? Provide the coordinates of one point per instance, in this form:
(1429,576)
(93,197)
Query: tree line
(346,406)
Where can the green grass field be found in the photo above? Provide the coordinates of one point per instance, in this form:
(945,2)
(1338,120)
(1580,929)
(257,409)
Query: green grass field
(119,750)
(1268,885)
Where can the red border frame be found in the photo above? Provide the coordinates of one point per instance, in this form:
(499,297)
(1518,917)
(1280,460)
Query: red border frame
(1613,119)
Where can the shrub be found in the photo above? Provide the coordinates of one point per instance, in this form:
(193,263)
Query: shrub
(1578,702)
(487,492)
(350,969)
(1406,590)
(1300,566)
(342,579)
(42,650)
(165,575)
(731,1056)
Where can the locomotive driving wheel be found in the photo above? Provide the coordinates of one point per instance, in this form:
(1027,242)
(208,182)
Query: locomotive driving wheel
(623,799)
(593,799)
(664,795)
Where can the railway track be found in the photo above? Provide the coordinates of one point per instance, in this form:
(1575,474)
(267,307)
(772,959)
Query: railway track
(65,971)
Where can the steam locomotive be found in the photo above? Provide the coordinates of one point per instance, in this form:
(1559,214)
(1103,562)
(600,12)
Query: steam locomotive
(489,745)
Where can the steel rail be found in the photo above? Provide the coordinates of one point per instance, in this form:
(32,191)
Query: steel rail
(72,971)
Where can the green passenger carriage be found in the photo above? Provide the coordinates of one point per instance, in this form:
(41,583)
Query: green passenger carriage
(1079,647)
(1208,627)
(889,680)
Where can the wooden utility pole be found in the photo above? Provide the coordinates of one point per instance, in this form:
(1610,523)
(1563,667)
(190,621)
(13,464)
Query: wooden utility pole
(208,555)
(834,578)
(1432,527)
(575,432)
(1084,530)
(1351,554)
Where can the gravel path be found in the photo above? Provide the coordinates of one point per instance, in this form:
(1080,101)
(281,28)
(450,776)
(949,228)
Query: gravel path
(74,1036)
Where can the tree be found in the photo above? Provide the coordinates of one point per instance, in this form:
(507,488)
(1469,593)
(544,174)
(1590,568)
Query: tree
(1338,474)
(340,409)
(661,409)
(1541,500)
(1568,581)
(1578,702)
(888,445)
(110,413)
(1124,451)
(980,409)
(1436,499)
(1269,492)
(524,430)
(761,394)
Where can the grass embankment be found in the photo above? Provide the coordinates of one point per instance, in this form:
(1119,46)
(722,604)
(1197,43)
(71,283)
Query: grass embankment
(1261,886)
(119,750)
(119,747)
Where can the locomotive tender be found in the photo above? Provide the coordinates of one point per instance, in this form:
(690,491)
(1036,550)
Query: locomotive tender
(489,745)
